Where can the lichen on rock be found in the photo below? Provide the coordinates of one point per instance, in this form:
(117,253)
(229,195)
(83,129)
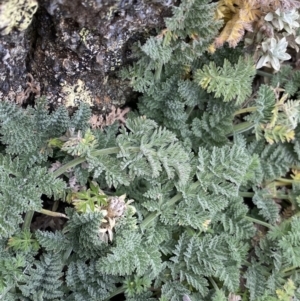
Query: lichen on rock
(16,14)
(74,94)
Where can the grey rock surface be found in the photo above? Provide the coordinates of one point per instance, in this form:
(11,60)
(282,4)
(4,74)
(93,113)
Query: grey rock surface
(73,49)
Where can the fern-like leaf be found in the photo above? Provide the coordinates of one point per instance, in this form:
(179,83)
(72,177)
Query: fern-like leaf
(229,82)
(44,278)
(266,205)
(130,255)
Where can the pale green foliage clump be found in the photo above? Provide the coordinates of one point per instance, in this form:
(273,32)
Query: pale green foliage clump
(288,79)
(229,82)
(164,61)
(192,227)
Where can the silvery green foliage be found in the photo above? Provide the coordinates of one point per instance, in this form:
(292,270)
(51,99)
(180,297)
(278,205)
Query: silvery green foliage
(22,165)
(204,224)
(190,226)
(146,153)
(288,79)
(274,52)
(43,279)
(160,70)
(221,80)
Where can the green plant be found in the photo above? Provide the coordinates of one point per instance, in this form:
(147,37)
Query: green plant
(196,199)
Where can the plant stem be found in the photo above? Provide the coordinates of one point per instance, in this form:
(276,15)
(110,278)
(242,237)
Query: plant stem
(53,213)
(257,221)
(241,127)
(263,73)
(68,165)
(285,181)
(116,292)
(189,110)
(27,220)
(281,196)
(148,220)
(29,215)
(67,254)
(212,281)
(95,153)
(289,269)
(246,194)
(152,216)
(245,110)
(278,196)
(55,205)
(174,199)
